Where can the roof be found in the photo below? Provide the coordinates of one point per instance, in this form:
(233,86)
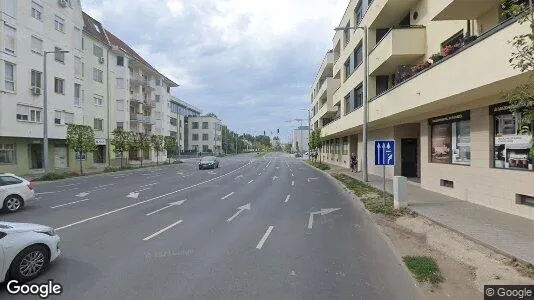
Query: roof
(94,28)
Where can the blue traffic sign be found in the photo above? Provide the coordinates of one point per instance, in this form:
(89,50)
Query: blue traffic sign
(385,153)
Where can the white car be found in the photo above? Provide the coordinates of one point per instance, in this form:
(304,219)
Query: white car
(15,192)
(26,250)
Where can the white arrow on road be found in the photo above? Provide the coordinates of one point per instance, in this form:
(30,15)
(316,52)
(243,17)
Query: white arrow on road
(275,177)
(239,210)
(322,212)
(177,203)
(135,194)
(240,176)
(314,178)
(82,194)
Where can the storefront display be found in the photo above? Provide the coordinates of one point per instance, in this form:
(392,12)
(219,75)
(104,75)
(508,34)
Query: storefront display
(512,139)
(451,139)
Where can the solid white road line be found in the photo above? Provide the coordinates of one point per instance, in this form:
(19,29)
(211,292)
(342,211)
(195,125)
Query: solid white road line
(45,193)
(292,183)
(287,198)
(70,203)
(66,185)
(162,230)
(292,175)
(142,186)
(148,200)
(178,203)
(227,196)
(265,236)
(250,182)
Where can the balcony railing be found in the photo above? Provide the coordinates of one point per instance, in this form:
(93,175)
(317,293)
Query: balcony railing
(137,118)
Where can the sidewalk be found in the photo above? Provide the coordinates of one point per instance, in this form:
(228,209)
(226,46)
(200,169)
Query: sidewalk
(505,233)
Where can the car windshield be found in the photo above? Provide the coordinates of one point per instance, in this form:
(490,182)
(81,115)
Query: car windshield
(208,159)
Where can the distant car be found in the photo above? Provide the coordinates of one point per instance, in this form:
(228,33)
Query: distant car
(298,155)
(26,250)
(15,192)
(208,162)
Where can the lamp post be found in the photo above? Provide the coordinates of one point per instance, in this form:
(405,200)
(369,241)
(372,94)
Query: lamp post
(45,110)
(365,94)
(178,132)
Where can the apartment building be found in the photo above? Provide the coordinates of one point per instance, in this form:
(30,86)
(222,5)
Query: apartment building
(436,69)
(30,29)
(175,121)
(205,134)
(300,139)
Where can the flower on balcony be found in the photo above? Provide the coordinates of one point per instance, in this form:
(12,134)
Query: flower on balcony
(420,66)
(450,49)
(436,57)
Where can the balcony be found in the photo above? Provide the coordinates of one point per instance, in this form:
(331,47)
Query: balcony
(139,118)
(400,46)
(386,13)
(150,103)
(464,9)
(136,79)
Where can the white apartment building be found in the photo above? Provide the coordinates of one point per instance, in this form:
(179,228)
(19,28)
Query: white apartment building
(29,28)
(174,121)
(436,72)
(204,134)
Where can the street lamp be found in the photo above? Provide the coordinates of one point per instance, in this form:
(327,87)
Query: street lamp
(45,110)
(365,93)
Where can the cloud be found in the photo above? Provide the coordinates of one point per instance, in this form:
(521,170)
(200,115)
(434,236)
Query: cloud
(250,62)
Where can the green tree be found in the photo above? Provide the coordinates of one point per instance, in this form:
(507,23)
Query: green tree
(81,139)
(144,144)
(521,98)
(287,148)
(170,145)
(157,143)
(134,143)
(120,142)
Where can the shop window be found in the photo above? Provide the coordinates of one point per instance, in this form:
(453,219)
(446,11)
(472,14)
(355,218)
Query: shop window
(525,200)
(451,139)
(512,139)
(346,145)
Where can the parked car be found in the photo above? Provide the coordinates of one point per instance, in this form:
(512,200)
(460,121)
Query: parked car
(26,250)
(15,192)
(208,162)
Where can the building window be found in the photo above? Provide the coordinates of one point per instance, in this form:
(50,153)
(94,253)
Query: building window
(77,94)
(77,38)
(120,125)
(158,82)
(120,105)
(36,45)
(120,60)
(205,137)
(10,34)
(205,148)
(77,67)
(174,121)
(512,139)
(120,83)
(358,12)
(59,56)
(9,76)
(98,101)
(348,108)
(382,83)
(347,68)
(59,24)
(158,98)
(68,118)
(451,139)
(195,137)
(195,125)
(35,80)
(358,97)
(7,154)
(205,125)
(98,75)
(10,7)
(346,34)
(27,113)
(98,51)
(59,86)
(37,11)
(358,56)
(346,145)
(98,124)
(63,118)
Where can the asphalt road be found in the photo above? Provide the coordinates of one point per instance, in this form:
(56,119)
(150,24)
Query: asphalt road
(252,229)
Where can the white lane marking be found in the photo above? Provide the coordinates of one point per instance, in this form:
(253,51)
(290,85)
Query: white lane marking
(70,203)
(250,182)
(292,175)
(322,212)
(59,191)
(259,174)
(239,210)
(45,193)
(82,195)
(66,185)
(292,183)
(135,194)
(179,173)
(149,200)
(227,196)
(287,198)
(162,230)
(240,176)
(142,186)
(264,238)
(177,203)
(314,178)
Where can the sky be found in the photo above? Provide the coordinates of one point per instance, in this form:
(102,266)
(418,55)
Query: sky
(250,62)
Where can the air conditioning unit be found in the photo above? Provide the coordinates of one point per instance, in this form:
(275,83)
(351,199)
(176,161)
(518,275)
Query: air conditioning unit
(36,90)
(63,3)
(101,60)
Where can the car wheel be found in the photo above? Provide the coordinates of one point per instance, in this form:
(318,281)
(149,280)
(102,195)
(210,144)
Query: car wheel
(13,203)
(30,263)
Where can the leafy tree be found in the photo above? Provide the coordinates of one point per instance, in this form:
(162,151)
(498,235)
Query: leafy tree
(211,115)
(157,143)
(121,142)
(144,144)
(170,145)
(134,143)
(315,141)
(287,148)
(521,98)
(81,139)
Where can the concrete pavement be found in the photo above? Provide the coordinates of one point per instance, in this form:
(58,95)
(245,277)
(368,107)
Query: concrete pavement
(238,232)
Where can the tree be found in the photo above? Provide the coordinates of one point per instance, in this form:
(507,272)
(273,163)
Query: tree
(157,143)
(211,115)
(170,145)
(134,143)
(120,142)
(81,139)
(315,141)
(297,147)
(144,144)
(521,98)
(287,148)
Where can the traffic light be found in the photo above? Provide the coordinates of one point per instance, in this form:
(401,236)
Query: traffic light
(278,131)
(264,132)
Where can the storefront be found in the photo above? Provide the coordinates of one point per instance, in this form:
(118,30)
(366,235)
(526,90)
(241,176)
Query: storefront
(99,155)
(451,139)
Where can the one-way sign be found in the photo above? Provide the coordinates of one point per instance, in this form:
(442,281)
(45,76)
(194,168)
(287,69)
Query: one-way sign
(385,153)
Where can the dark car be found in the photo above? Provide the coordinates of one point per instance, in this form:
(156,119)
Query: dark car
(208,162)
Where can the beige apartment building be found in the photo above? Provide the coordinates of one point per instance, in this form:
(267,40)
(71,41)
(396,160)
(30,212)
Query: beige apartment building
(204,134)
(436,72)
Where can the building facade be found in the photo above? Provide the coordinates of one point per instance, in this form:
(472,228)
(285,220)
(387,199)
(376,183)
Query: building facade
(435,75)
(300,139)
(175,121)
(204,134)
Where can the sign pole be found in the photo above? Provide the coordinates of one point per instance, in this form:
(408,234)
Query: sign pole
(384,186)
